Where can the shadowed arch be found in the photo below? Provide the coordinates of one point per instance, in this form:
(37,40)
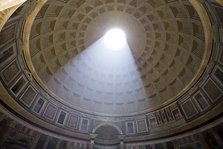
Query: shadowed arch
(107,124)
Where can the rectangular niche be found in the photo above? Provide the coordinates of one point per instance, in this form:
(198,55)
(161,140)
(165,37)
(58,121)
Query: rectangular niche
(153,123)
(212,90)
(221,54)
(28,96)
(7,34)
(158,117)
(176,114)
(84,124)
(201,101)
(169,114)
(19,85)
(219,10)
(62,117)
(218,75)
(7,54)
(130,127)
(142,126)
(189,109)
(10,72)
(39,105)
(163,115)
(72,121)
(50,112)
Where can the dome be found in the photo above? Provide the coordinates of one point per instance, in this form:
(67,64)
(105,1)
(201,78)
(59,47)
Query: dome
(166,46)
(111,74)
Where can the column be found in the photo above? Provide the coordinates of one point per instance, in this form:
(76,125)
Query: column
(91,144)
(216,136)
(92,136)
(35,140)
(6,130)
(152,146)
(46,142)
(165,145)
(122,145)
(204,141)
(69,145)
(121,138)
(58,144)
(2,116)
(174,144)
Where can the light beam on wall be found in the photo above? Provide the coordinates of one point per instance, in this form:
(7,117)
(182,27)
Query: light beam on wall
(99,78)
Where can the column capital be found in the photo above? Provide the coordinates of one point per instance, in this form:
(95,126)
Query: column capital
(93,135)
(121,137)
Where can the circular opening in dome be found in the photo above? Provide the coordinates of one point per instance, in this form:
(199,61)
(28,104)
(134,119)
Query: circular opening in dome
(115,39)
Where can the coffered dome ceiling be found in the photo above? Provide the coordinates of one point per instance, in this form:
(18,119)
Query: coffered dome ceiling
(166,41)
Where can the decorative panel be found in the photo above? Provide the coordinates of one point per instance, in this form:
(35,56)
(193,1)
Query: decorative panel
(218,74)
(72,121)
(10,72)
(62,117)
(159,146)
(158,117)
(50,111)
(28,96)
(221,54)
(7,34)
(18,85)
(153,122)
(169,114)
(141,126)
(189,109)
(212,90)
(7,54)
(201,101)
(219,10)
(176,114)
(163,115)
(130,127)
(38,106)
(84,124)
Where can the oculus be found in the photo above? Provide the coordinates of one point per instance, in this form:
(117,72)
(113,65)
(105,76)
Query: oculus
(115,39)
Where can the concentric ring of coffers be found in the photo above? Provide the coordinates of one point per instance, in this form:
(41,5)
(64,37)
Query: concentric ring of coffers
(166,41)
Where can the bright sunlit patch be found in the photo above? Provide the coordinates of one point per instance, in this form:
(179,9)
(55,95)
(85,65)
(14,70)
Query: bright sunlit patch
(115,39)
